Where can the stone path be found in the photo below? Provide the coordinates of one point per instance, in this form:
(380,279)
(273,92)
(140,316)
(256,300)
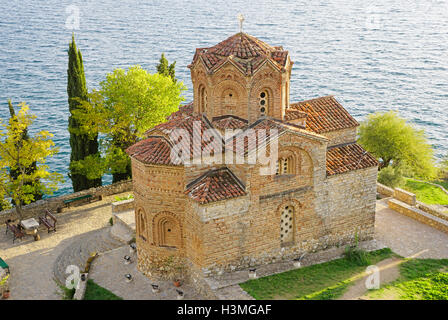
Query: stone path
(32,262)
(408,237)
(80,249)
(108,271)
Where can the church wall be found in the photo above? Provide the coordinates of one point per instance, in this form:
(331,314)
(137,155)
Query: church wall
(341,136)
(158,194)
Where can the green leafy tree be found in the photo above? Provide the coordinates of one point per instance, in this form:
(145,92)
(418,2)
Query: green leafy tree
(82,145)
(391,176)
(396,142)
(443,172)
(127,104)
(166,69)
(33,167)
(18,155)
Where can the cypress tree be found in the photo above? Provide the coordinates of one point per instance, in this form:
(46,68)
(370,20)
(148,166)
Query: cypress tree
(166,69)
(81,145)
(33,167)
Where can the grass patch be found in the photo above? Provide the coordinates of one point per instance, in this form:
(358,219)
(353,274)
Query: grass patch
(425,192)
(443,183)
(327,280)
(420,279)
(96,292)
(127,197)
(67,294)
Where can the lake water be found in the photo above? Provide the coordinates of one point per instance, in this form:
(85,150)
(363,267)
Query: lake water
(373,56)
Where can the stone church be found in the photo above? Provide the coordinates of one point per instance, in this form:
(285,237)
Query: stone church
(225,217)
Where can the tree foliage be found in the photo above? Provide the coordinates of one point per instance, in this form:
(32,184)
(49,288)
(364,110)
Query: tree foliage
(33,166)
(391,176)
(82,145)
(127,104)
(396,142)
(18,154)
(166,69)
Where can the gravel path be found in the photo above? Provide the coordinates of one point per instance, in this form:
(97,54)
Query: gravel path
(108,271)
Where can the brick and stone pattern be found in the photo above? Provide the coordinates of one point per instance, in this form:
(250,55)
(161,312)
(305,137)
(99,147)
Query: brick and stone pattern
(405,196)
(418,215)
(317,203)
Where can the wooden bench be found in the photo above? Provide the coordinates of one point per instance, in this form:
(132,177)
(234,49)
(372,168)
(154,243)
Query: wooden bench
(49,221)
(4,265)
(16,230)
(87,197)
(68,202)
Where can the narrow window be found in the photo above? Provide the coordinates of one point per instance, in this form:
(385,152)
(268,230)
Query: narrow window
(286,225)
(263,103)
(284,166)
(202,99)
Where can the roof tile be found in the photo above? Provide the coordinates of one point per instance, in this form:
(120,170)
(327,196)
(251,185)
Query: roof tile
(325,114)
(215,185)
(341,159)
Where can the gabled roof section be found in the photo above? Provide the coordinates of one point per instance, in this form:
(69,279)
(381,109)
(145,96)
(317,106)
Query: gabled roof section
(215,185)
(268,125)
(293,114)
(348,157)
(229,122)
(325,114)
(244,51)
(194,126)
(183,112)
(153,150)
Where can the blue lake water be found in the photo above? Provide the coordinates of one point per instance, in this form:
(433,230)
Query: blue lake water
(372,55)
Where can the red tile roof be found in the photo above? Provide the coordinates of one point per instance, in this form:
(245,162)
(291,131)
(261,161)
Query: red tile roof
(293,114)
(154,150)
(215,185)
(194,125)
(184,111)
(341,159)
(325,114)
(229,122)
(246,52)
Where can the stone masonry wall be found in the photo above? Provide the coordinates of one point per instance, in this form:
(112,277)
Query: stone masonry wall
(341,136)
(418,215)
(37,208)
(237,238)
(405,196)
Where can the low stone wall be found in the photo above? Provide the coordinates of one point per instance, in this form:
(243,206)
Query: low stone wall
(418,215)
(122,206)
(432,210)
(384,190)
(37,208)
(405,196)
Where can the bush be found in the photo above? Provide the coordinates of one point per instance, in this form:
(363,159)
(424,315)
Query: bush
(391,177)
(357,256)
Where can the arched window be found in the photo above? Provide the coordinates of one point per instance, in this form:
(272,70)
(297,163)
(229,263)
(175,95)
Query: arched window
(287,225)
(167,231)
(263,103)
(202,99)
